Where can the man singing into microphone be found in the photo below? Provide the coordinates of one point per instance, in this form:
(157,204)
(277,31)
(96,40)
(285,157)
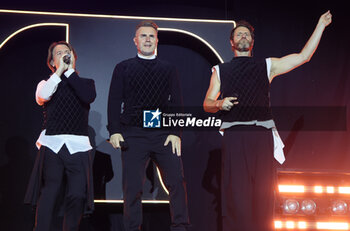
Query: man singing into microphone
(63,165)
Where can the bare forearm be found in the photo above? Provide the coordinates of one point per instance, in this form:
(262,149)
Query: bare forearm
(315,38)
(211,105)
(287,63)
(312,44)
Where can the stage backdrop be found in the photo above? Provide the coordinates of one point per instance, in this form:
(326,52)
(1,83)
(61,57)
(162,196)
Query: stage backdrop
(310,103)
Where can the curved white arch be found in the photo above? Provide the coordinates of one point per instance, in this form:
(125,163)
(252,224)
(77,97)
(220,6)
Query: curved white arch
(33,26)
(117,16)
(195,36)
(161,181)
(212,49)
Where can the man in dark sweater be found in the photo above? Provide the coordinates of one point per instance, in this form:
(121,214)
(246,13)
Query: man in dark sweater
(250,140)
(146,83)
(62,174)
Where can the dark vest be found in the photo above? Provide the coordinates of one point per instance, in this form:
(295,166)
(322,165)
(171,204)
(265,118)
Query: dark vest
(147,87)
(65,113)
(246,78)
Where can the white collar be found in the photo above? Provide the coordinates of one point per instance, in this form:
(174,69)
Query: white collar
(146,57)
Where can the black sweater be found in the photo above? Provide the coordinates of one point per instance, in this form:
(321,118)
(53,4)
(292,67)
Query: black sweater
(141,84)
(67,112)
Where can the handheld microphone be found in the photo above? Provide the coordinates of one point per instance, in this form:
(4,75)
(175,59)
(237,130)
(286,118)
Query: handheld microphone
(123,145)
(66,59)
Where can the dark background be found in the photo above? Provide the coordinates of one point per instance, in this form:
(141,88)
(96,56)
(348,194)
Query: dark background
(281,28)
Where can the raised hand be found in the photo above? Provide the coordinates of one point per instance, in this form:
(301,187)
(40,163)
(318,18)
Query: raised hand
(325,18)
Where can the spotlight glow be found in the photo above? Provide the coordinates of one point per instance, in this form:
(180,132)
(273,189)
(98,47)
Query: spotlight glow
(339,207)
(308,207)
(291,206)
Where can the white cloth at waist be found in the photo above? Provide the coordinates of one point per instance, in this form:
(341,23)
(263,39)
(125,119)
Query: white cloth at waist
(74,143)
(269,124)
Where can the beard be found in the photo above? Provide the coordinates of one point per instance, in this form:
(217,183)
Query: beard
(243,45)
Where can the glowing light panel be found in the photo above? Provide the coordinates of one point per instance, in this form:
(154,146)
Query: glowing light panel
(278,225)
(290,224)
(318,189)
(332,226)
(291,188)
(302,225)
(344,190)
(143,201)
(330,189)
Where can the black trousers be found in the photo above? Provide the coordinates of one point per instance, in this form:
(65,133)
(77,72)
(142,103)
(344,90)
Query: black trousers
(144,145)
(55,167)
(248,176)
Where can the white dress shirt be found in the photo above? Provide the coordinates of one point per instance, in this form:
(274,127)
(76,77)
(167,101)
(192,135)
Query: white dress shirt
(74,143)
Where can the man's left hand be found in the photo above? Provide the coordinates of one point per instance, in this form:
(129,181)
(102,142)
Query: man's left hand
(326,18)
(175,144)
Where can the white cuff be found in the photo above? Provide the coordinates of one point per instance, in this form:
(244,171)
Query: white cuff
(54,79)
(69,72)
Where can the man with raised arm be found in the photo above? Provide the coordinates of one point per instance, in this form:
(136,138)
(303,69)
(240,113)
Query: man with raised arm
(250,141)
